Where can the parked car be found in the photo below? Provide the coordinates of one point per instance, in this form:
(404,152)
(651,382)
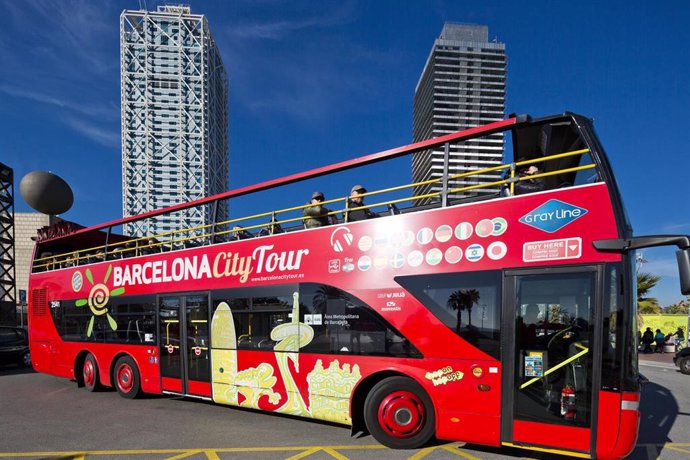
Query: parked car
(14,346)
(682,360)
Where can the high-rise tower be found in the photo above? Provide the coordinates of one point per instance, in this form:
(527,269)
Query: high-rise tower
(174,117)
(462,85)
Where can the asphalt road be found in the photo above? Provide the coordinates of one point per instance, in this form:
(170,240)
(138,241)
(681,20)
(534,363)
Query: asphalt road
(47,417)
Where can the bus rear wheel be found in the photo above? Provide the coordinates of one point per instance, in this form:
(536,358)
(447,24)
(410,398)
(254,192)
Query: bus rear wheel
(126,378)
(89,373)
(399,414)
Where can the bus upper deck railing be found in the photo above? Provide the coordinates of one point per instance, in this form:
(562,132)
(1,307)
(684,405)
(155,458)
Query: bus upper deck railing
(269,223)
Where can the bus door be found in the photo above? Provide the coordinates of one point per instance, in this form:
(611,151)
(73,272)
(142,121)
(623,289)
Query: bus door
(547,390)
(184,344)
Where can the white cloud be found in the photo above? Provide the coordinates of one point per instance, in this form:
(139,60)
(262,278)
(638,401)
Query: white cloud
(662,267)
(108,111)
(106,137)
(315,79)
(32,95)
(78,27)
(277,30)
(677,227)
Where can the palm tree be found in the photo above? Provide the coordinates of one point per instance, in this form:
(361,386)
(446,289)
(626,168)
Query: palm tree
(455,302)
(463,299)
(471,298)
(645,283)
(323,294)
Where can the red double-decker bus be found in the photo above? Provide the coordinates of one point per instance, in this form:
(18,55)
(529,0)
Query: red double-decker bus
(493,306)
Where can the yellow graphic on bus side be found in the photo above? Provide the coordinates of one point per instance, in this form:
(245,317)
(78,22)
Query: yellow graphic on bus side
(330,388)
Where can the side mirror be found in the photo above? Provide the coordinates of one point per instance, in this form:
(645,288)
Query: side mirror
(683,257)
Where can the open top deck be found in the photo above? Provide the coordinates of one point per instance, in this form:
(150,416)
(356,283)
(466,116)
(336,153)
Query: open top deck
(562,148)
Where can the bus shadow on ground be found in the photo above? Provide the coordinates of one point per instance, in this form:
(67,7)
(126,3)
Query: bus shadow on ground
(659,410)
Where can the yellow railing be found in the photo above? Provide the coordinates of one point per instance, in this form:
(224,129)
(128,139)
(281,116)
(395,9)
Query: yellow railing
(211,233)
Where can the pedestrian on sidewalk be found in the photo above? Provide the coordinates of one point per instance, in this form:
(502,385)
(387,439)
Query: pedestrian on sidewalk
(647,340)
(680,338)
(659,339)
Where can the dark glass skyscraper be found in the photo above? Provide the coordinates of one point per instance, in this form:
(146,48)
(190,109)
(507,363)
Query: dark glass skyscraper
(463,84)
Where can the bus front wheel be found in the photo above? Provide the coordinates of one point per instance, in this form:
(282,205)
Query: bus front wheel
(126,378)
(89,373)
(399,414)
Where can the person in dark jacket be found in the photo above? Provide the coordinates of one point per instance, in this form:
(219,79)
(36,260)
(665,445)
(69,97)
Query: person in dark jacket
(647,340)
(238,233)
(318,215)
(356,200)
(529,185)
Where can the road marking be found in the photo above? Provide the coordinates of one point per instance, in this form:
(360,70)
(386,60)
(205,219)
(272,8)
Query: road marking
(653,451)
(452,448)
(304,454)
(211,453)
(334,454)
(677,449)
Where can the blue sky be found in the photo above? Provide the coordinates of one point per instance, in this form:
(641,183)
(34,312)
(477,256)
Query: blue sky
(312,83)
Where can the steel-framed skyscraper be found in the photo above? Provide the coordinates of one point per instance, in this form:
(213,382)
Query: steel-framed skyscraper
(462,85)
(174,117)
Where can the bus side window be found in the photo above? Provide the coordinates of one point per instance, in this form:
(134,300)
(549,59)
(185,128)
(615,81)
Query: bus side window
(343,324)
(243,330)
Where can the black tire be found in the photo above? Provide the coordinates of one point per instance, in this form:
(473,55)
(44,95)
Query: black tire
(90,375)
(399,414)
(684,365)
(126,378)
(25,359)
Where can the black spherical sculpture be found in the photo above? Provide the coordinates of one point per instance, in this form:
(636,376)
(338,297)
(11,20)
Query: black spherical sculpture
(46,192)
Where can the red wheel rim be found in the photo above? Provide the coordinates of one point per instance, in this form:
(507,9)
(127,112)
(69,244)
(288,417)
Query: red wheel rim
(401,414)
(89,373)
(125,378)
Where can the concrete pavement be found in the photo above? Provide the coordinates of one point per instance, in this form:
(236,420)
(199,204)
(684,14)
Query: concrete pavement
(664,360)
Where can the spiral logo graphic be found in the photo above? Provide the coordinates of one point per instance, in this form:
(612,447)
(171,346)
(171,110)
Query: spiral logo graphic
(98,299)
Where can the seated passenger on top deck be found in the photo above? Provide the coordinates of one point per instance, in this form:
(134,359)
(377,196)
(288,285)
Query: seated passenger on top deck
(238,233)
(356,200)
(529,185)
(271,229)
(316,214)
